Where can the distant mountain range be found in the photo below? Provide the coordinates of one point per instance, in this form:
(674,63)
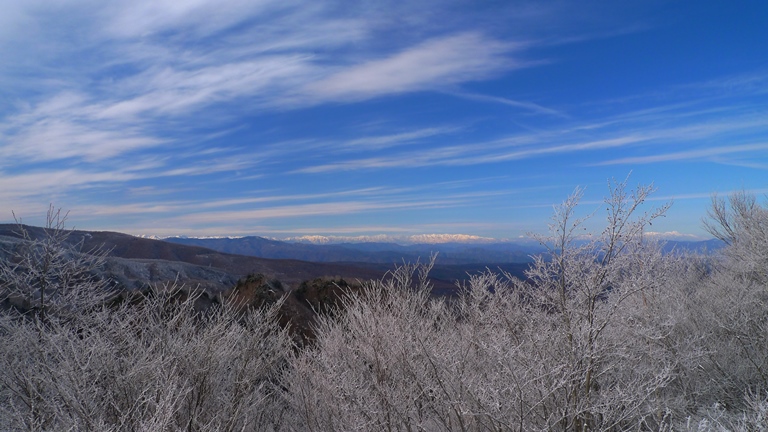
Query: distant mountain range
(215,264)
(135,262)
(403,240)
(449,252)
(452,249)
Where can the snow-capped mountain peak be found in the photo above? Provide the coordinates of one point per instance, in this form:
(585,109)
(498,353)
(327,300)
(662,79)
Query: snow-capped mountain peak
(383,238)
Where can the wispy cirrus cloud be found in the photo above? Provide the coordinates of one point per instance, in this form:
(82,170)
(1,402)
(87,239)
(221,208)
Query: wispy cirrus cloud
(244,205)
(175,91)
(243,215)
(469,154)
(689,155)
(742,163)
(201,17)
(654,130)
(55,139)
(430,65)
(64,127)
(312,209)
(528,106)
(147,76)
(378,142)
(143,112)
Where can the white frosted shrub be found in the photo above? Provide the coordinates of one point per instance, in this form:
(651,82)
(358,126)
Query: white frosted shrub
(742,223)
(51,276)
(606,334)
(560,353)
(156,366)
(728,310)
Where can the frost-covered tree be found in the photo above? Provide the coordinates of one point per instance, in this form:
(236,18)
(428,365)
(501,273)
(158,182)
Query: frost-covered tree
(48,275)
(152,366)
(556,352)
(71,362)
(607,333)
(729,310)
(607,374)
(742,223)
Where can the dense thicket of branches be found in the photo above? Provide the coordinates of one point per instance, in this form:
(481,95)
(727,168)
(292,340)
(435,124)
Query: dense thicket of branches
(607,333)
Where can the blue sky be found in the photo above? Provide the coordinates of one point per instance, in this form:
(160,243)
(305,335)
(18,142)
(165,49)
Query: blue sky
(285,118)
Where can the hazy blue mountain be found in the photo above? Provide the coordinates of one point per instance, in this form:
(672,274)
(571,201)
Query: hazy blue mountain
(367,252)
(705,246)
(451,253)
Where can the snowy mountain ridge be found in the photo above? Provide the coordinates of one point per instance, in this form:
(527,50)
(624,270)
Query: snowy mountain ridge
(383,238)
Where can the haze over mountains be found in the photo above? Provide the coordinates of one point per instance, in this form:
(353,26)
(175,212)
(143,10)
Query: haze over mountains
(452,249)
(135,262)
(216,264)
(383,238)
(450,252)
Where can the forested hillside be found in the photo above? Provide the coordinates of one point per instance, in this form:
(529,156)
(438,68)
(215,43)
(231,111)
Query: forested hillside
(607,334)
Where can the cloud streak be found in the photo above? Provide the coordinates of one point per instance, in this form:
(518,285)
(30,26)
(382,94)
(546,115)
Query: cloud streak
(431,65)
(646,129)
(313,209)
(212,115)
(528,106)
(689,155)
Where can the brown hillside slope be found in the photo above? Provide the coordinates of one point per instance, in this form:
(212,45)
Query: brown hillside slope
(158,257)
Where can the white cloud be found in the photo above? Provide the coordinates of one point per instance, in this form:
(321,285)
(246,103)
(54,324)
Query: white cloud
(470,154)
(53,139)
(115,96)
(140,71)
(303,210)
(673,235)
(706,129)
(140,18)
(528,106)
(379,142)
(97,122)
(42,186)
(687,155)
(430,65)
(172,92)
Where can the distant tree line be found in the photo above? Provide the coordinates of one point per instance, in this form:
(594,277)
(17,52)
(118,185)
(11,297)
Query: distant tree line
(608,334)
